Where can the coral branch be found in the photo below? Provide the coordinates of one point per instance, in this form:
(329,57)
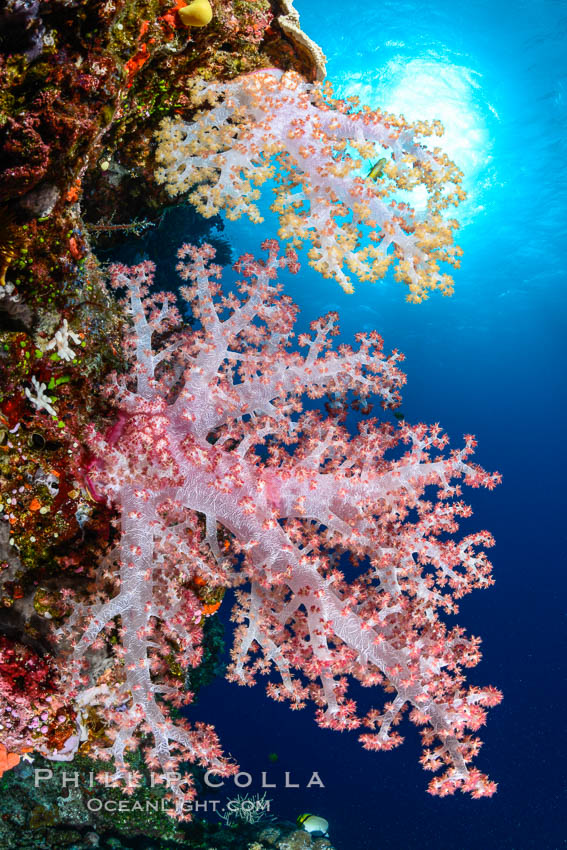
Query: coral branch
(318,152)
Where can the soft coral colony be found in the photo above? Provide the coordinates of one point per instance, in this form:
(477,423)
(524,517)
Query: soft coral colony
(209,446)
(337,544)
(271,126)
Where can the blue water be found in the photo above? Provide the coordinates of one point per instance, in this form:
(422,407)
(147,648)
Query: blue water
(489,361)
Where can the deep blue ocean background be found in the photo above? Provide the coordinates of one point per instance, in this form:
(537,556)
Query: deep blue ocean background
(491,361)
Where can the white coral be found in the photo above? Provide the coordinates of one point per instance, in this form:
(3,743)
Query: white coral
(40,401)
(61,342)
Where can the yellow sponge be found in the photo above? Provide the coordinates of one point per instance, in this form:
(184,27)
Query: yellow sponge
(196,14)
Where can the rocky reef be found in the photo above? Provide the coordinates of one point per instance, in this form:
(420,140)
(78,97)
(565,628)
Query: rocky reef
(83,88)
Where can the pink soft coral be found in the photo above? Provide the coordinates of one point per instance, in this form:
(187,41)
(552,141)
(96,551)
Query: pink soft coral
(211,439)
